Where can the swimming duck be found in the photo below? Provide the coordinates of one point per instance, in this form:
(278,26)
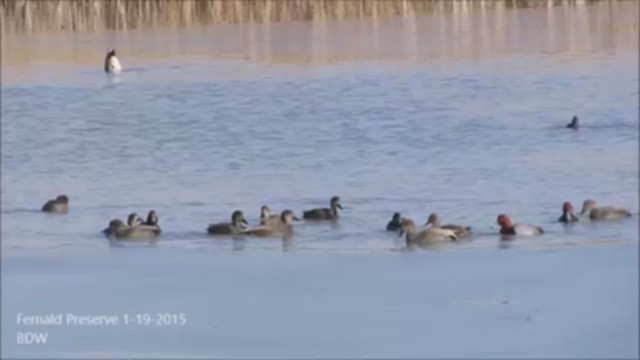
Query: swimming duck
(324,213)
(111,63)
(507,228)
(57,205)
(236,226)
(573,124)
(121,231)
(266,218)
(604,212)
(395,223)
(152,218)
(436,223)
(425,237)
(567,214)
(284,226)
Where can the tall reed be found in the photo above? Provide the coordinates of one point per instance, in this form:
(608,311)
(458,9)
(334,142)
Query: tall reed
(85,15)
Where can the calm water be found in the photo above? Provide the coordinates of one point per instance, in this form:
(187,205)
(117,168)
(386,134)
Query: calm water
(417,115)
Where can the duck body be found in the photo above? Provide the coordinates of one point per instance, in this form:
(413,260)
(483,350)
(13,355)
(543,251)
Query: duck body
(425,237)
(324,213)
(459,230)
(236,226)
(284,227)
(57,205)
(117,229)
(111,63)
(507,228)
(268,219)
(603,212)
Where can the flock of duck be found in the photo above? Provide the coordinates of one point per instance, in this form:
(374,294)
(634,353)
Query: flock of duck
(274,225)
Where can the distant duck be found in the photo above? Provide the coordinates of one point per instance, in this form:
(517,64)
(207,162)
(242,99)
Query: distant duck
(57,205)
(111,63)
(117,229)
(507,228)
(573,124)
(266,218)
(435,222)
(395,223)
(283,227)
(236,226)
(324,213)
(567,214)
(603,212)
(152,218)
(425,237)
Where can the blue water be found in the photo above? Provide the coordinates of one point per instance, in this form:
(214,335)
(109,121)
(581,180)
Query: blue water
(196,137)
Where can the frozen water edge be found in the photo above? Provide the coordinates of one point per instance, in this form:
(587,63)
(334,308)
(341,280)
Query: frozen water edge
(568,301)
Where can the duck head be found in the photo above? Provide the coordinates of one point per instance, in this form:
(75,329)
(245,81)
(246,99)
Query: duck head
(574,123)
(63,199)
(434,220)
(115,225)
(504,221)
(152,218)
(406,226)
(237,219)
(264,212)
(133,219)
(335,202)
(287,217)
(588,205)
(396,217)
(567,208)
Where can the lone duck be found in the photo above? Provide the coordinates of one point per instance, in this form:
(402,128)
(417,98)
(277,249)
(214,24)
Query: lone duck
(117,229)
(603,213)
(395,223)
(57,205)
(425,237)
(266,218)
(507,228)
(283,227)
(324,213)
(152,218)
(459,230)
(111,63)
(567,214)
(236,226)
(573,124)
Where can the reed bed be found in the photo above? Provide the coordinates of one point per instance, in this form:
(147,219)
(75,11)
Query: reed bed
(26,16)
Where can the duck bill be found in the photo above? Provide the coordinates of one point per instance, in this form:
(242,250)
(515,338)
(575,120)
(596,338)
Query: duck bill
(401,233)
(583,211)
(295,218)
(244,222)
(339,206)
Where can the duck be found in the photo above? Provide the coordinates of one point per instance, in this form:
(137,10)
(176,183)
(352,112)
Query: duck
(395,223)
(567,214)
(266,218)
(604,212)
(507,228)
(152,218)
(111,63)
(435,222)
(324,213)
(236,226)
(574,123)
(283,227)
(425,237)
(117,229)
(57,205)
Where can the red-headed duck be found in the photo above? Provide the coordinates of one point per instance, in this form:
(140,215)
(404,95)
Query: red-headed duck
(567,213)
(507,228)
